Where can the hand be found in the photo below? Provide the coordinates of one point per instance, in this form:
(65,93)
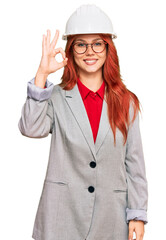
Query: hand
(48,62)
(136,226)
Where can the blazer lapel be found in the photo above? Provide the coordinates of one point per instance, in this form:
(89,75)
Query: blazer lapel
(75,102)
(104,126)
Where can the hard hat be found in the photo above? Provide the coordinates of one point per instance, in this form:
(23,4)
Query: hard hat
(88,19)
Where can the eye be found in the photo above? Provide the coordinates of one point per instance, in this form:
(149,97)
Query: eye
(80,44)
(98,43)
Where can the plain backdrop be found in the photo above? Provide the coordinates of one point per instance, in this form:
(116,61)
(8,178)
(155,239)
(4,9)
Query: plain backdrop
(140,43)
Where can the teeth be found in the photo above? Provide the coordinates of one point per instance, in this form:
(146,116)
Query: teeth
(90,61)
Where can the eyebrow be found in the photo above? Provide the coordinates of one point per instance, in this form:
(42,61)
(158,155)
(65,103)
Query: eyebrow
(85,41)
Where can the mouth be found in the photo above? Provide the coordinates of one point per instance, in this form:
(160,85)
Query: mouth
(90,61)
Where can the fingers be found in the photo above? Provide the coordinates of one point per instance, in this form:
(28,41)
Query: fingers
(62,64)
(55,39)
(60,50)
(136,228)
(43,44)
(131,233)
(46,41)
(139,235)
(48,37)
(65,59)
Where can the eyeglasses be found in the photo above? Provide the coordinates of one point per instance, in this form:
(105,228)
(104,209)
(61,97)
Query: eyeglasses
(97,47)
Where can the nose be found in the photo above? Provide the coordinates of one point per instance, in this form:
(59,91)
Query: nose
(89,50)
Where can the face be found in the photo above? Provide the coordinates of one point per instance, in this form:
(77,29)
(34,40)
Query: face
(80,59)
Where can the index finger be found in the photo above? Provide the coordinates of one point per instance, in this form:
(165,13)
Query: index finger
(55,39)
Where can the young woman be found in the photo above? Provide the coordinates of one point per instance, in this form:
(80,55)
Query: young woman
(95,186)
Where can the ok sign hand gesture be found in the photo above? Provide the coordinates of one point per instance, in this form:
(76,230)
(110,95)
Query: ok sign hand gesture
(48,63)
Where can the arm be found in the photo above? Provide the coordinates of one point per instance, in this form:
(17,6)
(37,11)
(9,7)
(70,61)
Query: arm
(136,174)
(37,112)
(37,115)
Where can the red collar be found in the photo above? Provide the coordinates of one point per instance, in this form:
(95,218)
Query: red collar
(85,91)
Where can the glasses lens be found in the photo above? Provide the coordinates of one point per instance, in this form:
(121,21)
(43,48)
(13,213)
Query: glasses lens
(98,46)
(80,47)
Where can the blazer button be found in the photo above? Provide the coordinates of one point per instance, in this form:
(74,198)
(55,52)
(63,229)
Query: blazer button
(92,164)
(91,189)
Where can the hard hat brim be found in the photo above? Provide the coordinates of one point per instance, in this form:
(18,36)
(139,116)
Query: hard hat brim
(64,36)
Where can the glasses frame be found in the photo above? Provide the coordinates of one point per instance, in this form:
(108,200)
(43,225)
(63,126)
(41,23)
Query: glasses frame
(87,44)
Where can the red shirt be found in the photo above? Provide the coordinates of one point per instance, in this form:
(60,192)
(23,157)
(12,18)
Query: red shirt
(93,102)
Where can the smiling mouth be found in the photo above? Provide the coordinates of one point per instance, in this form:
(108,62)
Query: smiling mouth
(90,62)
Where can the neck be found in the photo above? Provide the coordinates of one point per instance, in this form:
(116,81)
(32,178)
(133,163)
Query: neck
(92,81)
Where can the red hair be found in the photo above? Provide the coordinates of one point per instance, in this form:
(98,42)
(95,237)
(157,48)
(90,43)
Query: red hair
(118,97)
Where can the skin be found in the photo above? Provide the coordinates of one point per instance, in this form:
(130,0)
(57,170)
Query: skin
(91,76)
(137,227)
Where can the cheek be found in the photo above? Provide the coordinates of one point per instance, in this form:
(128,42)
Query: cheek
(103,60)
(78,60)
(104,56)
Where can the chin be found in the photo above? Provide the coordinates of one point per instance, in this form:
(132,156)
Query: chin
(90,70)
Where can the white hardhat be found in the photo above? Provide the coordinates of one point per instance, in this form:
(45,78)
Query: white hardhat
(88,19)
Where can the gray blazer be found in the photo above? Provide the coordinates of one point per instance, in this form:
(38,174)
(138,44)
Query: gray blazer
(91,190)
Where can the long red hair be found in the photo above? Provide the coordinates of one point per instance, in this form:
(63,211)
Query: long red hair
(118,97)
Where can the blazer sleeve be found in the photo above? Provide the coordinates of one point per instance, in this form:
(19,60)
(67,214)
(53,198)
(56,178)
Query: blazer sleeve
(136,173)
(37,115)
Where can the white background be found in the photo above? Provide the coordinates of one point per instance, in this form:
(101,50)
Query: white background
(140,27)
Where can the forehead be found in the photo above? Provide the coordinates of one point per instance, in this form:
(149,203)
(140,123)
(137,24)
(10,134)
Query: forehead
(87,37)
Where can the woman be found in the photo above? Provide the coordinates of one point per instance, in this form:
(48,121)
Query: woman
(95,186)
